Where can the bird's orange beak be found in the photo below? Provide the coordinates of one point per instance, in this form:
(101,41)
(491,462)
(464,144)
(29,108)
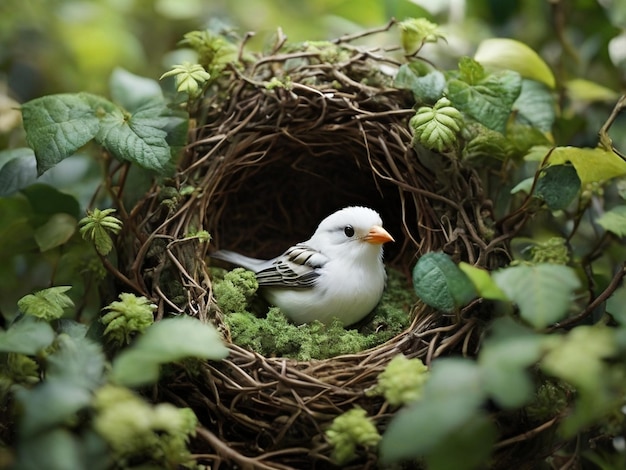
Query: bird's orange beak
(378,235)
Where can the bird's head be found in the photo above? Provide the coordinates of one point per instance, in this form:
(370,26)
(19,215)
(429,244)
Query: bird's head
(356,231)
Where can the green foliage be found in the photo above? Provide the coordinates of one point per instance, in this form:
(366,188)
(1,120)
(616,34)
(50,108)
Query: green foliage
(509,54)
(558,185)
(402,381)
(127,318)
(56,388)
(350,430)
(149,135)
(189,78)
(544,292)
(440,283)
(214,52)
(487,98)
(96,228)
(415,32)
(160,344)
(48,304)
(157,434)
(436,128)
(451,401)
(614,220)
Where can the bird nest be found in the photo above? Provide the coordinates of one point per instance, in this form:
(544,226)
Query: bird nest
(281,142)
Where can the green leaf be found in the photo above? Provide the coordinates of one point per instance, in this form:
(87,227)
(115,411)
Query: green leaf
(614,221)
(440,283)
(616,305)
(16,230)
(585,90)
(436,128)
(579,358)
(48,404)
(543,292)
(593,165)
(47,201)
(60,449)
(132,91)
(558,186)
(484,284)
(58,125)
(505,358)
(47,304)
(77,361)
(427,88)
(472,444)
(95,228)
(18,169)
(415,32)
(489,100)
(26,336)
(140,138)
(169,340)
(452,398)
(510,54)
(536,106)
(57,231)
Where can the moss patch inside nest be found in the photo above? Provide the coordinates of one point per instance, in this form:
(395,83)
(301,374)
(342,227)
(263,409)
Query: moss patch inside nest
(272,334)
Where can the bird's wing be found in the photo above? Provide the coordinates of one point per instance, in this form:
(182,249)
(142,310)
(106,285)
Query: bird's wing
(298,267)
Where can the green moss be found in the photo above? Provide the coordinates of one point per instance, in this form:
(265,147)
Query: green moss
(402,381)
(350,430)
(275,335)
(235,291)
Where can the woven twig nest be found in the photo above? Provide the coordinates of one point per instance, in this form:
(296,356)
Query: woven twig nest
(266,164)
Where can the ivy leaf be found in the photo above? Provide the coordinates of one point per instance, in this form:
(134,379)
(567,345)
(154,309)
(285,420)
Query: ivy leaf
(614,221)
(140,138)
(542,292)
(488,100)
(558,185)
(509,54)
(169,340)
(593,165)
(132,91)
(440,283)
(58,125)
(452,398)
(55,232)
(26,336)
(47,304)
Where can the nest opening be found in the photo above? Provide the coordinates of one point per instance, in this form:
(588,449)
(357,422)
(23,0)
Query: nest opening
(273,204)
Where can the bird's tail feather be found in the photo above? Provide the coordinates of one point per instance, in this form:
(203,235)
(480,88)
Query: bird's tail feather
(253,264)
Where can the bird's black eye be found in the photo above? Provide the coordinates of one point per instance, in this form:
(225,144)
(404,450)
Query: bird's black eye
(349,231)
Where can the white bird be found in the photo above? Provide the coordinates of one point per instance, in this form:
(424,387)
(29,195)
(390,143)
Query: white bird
(338,272)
